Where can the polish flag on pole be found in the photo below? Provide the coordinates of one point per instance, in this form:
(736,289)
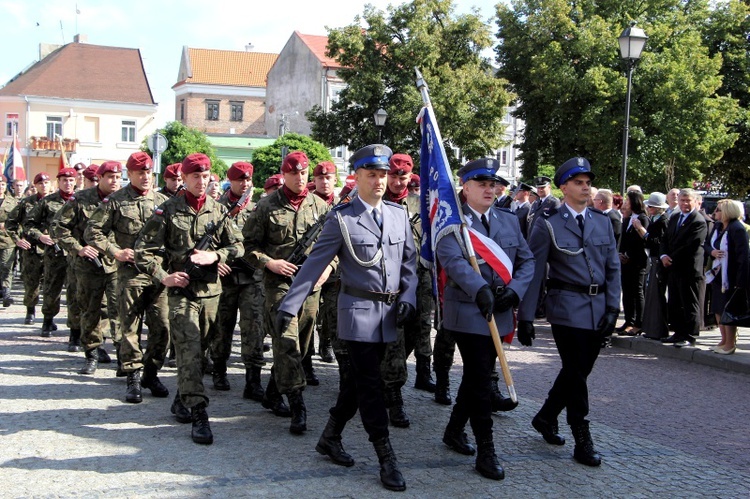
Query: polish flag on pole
(14,169)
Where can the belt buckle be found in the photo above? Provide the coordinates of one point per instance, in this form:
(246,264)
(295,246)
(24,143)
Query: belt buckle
(391,298)
(593,289)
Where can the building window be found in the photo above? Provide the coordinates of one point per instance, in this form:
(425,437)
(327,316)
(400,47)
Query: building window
(212,110)
(11,124)
(182,110)
(128,131)
(54,126)
(504,157)
(236,111)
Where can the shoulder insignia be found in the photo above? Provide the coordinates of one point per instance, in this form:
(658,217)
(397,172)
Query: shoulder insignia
(105,200)
(159,211)
(395,205)
(504,210)
(548,212)
(340,207)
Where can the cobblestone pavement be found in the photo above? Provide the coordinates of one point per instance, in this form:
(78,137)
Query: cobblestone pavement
(665,428)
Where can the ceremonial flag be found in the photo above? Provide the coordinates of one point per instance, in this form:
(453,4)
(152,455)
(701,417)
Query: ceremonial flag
(63,157)
(14,163)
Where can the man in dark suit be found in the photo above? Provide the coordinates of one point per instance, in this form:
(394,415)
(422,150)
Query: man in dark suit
(523,206)
(545,202)
(377,259)
(682,257)
(603,202)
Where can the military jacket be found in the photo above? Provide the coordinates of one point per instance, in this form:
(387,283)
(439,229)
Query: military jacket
(274,228)
(176,228)
(240,219)
(69,225)
(41,216)
(7,204)
(121,214)
(17,223)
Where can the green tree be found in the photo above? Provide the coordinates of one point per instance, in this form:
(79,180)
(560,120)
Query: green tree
(562,60)
(267,159)
(183,141)
(378,54)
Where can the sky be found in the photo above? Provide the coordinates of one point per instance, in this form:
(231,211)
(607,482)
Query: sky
(160,29)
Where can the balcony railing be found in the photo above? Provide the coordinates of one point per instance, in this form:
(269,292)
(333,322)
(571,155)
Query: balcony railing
(46,144)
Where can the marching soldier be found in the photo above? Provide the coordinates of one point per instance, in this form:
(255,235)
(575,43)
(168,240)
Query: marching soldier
(172,180)
(91,176)
(375,246)
(192,273)
(56,269)
(32,257)
(583,301)
(95,275)
(414,335)
(279,227)
(467,323)
(241,289)
(7,246)
(273,184)
(112,229)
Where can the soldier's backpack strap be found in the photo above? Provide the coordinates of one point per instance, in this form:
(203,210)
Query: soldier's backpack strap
(348,243)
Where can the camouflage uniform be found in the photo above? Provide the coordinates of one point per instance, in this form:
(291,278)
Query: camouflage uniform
(241,290)
(272,232)
(114,225)
(32,263)
(94,282)
(7,247)
(56,269)
(176,228)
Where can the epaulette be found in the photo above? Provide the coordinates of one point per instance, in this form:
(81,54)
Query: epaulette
(505,210)
(391,203)
(340,206)
(548,212)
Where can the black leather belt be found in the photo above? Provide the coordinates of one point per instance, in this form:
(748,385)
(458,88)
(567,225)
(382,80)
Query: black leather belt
(591,289)
(388,298)
(496,290)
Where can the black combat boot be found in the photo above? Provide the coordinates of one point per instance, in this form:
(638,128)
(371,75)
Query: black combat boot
(395,404)
(390,475)
(325,350)
(253,389)
(499,401)
(30,315)
(455,437)
(74,340)
(47,327)
(181,413)
(219,375)
(273,400)
(307,366)
(152,382)
(584,451)
(487,464)
(299,413)
(442,386)
(133,393)
(92,362)
(7,300)
(549,430)
(424,377)
(201,432)
(330,443)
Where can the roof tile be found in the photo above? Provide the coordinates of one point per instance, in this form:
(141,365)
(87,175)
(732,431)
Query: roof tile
(230,67)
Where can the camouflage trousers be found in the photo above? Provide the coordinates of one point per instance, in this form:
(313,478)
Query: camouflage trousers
(139,299)
(72,299)
(7,257)
(249,299)
(32,269)
(55,274)
(287,359)
(189,323)
(92,291)
(414,336)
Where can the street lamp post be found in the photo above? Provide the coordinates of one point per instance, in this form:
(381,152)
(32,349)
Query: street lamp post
(380,116)
(631,41)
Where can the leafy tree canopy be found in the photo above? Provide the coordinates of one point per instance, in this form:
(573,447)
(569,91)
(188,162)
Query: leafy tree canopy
(267,160)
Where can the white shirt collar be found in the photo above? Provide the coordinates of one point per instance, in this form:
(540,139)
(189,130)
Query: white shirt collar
(369,207)
(479,215)
(575,213)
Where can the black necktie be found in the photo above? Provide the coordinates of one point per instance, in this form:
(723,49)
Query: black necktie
(376,217)
(579,219)
(486,224)
(681,220)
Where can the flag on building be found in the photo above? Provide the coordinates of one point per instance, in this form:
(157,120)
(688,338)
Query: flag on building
(14,169)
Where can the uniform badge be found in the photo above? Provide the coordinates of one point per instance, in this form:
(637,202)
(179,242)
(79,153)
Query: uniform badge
(105,200)
(580,161)
(489,164)
(377,151)
(565,215)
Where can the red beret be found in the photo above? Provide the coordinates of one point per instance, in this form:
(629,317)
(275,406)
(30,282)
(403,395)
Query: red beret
(109,166)
(91,173)
(311,186)
(196,162)
(139,161)
(294,162)
(173,171)
(273,181)
(40,177)
(401,164)
(79,166)
(324,168)
(240,170)
(67,172)
(414,181)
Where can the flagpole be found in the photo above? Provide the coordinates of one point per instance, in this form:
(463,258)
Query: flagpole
(422,86)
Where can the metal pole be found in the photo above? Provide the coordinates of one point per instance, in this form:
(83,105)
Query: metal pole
(631,66)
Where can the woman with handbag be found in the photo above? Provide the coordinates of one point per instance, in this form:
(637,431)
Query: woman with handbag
(728,275)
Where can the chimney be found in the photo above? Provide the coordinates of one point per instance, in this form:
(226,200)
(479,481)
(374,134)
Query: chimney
(81,38)
(249,47)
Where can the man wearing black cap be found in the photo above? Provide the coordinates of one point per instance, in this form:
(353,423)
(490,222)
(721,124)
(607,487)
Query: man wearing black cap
(523,206)
(503,200)
(377,257)
(546,200)
(583,301)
